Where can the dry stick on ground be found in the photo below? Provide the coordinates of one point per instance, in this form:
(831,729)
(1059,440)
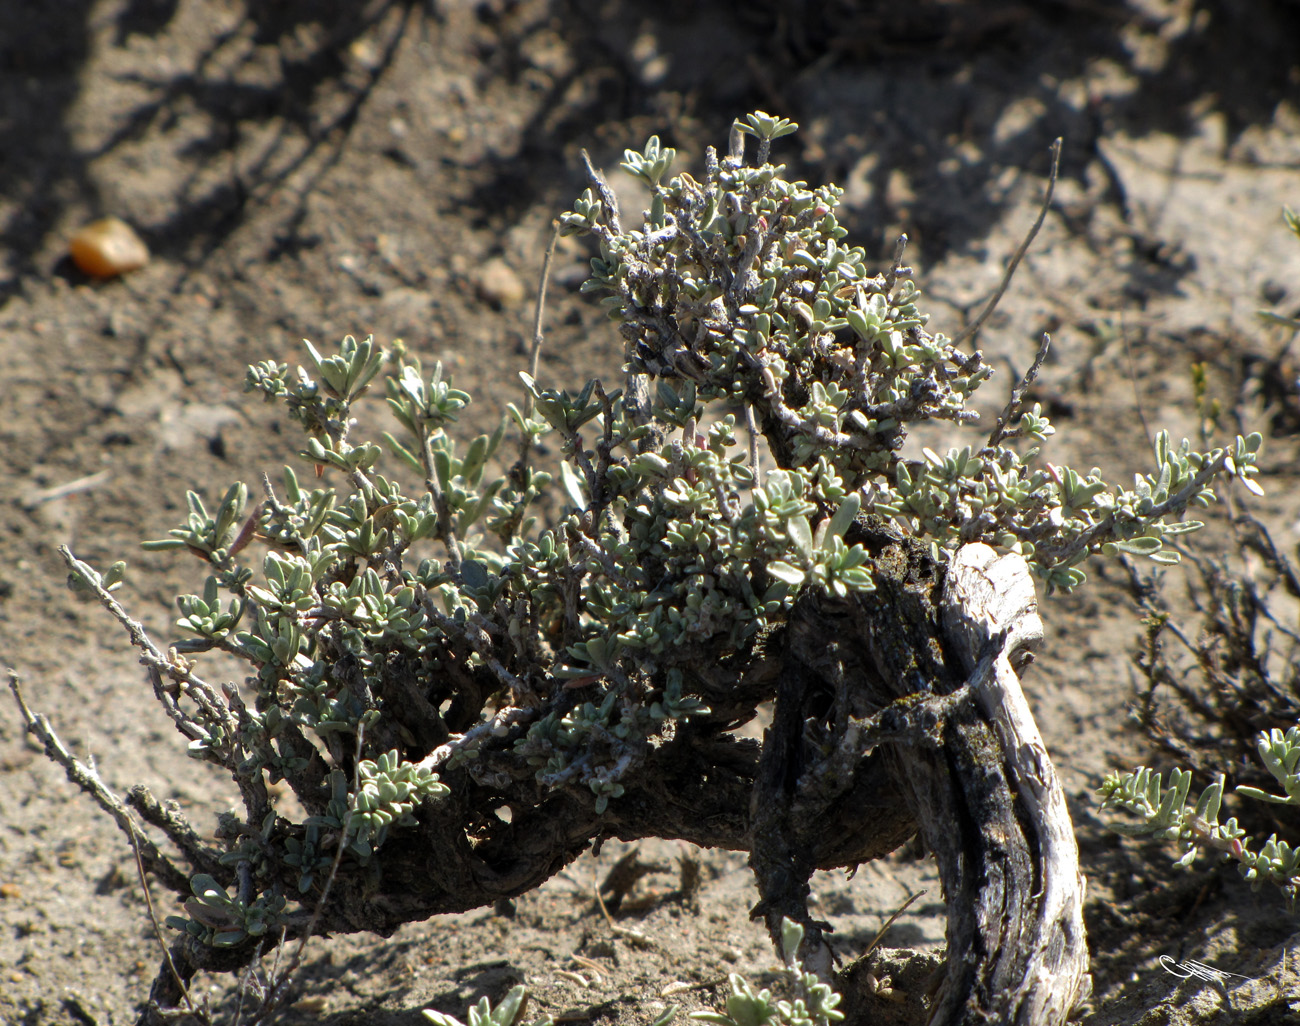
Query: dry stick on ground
(634,937)
(880,934)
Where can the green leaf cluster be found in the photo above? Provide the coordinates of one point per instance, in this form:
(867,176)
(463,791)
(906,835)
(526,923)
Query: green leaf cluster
(509,1011)
(741,291)
(813,1003)
(389,791)
(1166,814)
(217,919)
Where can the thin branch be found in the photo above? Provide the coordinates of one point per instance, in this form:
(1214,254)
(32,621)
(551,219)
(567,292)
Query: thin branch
(1133,380)
(636,386)
(526,440)
(446,529)
(178,829)
(249,982)
(535,354)
(481,642)
(751,425)
(1262,542)
(978,323)
(598,552)
(634,937)
(826,436)
(39,496)
(195,688)
(880,934)
(736,144)
(1016,401)
(607,198)
(498,726)
(157,932)
(1173,504)
(896,266)
(762,232)
(87,778)
(276,991)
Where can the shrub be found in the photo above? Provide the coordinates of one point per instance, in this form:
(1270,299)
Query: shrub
(741,523)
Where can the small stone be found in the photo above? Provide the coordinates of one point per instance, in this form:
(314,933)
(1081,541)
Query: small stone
(181,425)
(10,890)
(498,284)
(107,248)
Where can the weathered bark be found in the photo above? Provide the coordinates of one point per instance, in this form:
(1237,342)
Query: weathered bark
(921,675)
(895,711)
(990,602)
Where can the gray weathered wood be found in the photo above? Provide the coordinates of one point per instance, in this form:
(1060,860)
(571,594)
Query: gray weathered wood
(989,602)
(914,686)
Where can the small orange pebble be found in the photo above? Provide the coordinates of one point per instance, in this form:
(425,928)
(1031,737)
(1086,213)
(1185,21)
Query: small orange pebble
(10,890)
(108,247)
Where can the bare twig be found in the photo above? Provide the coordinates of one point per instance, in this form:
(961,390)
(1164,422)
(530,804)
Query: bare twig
(153,657)
(178,829)
(1262,542)
(1016,402)
(535,353)
(445,526)
(1133,379)
(87,778)
(880,934)
(634,937)
(480,641)
(607,198)
(896,266)
(636,386)
(807,426)
(157,932)
(978,323)
(497,726)
(751,425)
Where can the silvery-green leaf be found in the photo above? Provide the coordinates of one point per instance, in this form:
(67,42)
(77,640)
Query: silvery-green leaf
(783,571)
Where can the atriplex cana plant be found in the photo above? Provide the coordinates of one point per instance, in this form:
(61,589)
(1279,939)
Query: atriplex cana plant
(741,524)
(813,1003)
(1166,814)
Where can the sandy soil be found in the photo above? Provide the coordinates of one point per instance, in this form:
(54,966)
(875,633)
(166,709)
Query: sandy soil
(311,169)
